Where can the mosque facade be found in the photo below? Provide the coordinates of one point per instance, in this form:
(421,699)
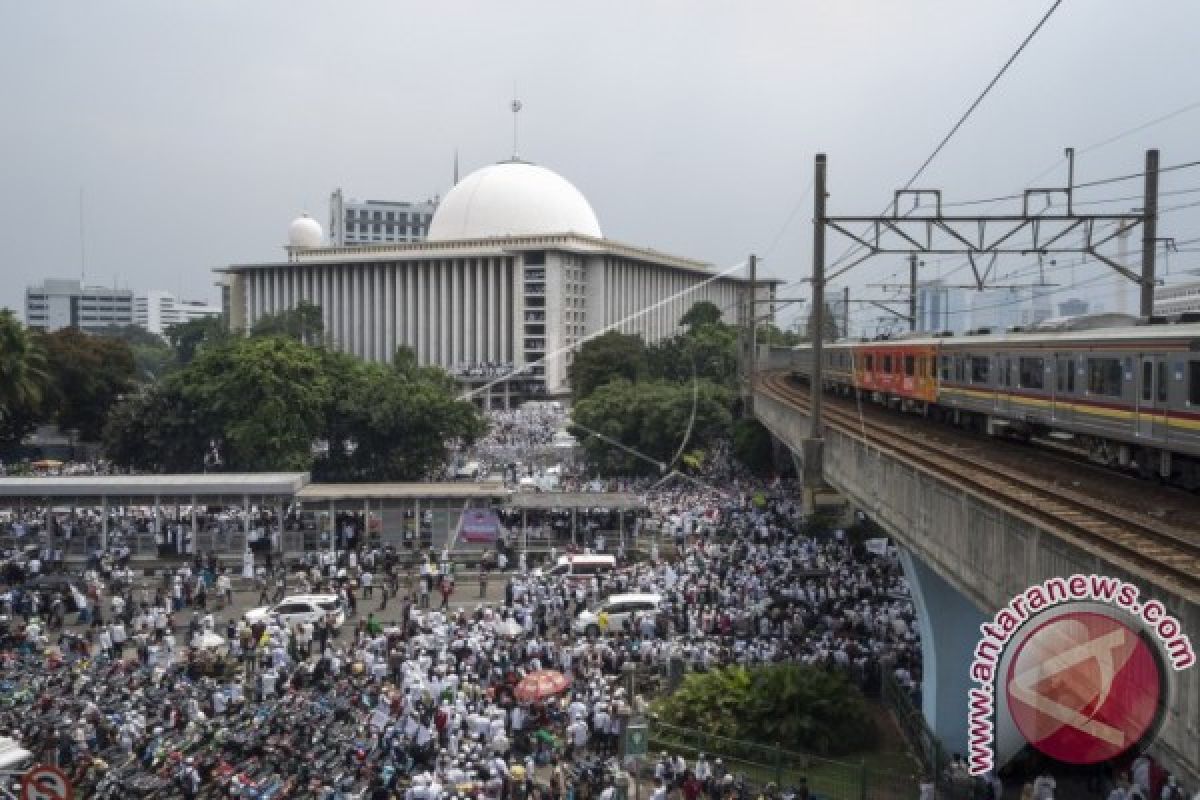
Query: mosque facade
(513,275)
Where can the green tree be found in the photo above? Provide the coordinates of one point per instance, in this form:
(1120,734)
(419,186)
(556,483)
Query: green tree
(392,422)
(152,356)
(634,427)
(699,315)
(24,379)
(303,323)
(605,358)
(187,338)
(774,336)
(88,374)
(797,706)
(267,395)
(156,429)
(752,445)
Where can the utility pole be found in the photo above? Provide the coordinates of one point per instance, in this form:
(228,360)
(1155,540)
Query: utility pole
(846,311)
(1149,234)
(752,367)
(912,291)
(811,447)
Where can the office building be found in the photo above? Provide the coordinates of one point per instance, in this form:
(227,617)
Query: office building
(1074,307)
(69,304)
(1178,298)
(354,222)
(157,310)
(513,275)
(940,307)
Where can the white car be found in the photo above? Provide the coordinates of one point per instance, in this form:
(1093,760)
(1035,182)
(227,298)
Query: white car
(619,607)
(300,608)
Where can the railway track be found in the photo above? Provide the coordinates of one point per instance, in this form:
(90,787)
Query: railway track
(1165,551)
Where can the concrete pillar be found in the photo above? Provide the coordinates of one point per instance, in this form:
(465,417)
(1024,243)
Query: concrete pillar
(949,625)
(195,524)
(104,522)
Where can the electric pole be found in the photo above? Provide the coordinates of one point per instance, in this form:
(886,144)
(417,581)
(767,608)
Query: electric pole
(811,447)
(1149,234)
(846,311)
(752,367)
(912,291)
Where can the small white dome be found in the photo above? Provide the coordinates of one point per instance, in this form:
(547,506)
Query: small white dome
(512,198)
(305,232)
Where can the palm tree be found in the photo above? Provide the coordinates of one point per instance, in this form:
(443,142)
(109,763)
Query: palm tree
(23,375)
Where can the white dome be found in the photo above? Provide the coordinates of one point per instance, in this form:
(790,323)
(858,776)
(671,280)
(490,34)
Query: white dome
(305,232)
(512,198)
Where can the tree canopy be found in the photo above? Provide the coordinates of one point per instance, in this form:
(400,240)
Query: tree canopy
(24,379)
(631,428)
(607,357)
(188,338)
(268,400)
(795,706)
(88,374)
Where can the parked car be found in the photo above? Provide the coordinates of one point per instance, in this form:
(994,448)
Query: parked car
(619,607)
(300,608)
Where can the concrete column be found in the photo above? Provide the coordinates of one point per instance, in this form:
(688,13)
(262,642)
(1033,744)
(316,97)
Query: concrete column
(421,315)
(949,625)
(195,524)
(332,527)
(104,522)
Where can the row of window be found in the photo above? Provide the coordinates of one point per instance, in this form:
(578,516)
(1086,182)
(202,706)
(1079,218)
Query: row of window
(381,216)
(1104,376)
(386,227)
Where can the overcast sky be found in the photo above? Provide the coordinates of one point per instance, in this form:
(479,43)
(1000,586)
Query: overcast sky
(198,130)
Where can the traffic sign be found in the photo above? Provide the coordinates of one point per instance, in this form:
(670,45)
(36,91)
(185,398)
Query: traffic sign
(636,740)
(45,782)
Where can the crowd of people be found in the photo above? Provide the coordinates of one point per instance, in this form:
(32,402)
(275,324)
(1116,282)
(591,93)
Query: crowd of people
(434,701)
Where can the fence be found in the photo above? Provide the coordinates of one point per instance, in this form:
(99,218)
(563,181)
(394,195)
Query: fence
(923,742)
(827,779)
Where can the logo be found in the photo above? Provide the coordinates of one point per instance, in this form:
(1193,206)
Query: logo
(1075,667)
(1084,687)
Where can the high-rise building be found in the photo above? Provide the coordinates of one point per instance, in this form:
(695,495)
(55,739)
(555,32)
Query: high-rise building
(1074,307)
(939,307)
(513,276)
(354,222)
(69,304)
(156,310)
(1178,298)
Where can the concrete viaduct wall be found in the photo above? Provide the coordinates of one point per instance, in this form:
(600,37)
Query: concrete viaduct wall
(986,555)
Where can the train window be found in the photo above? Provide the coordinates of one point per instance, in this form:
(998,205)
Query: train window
(1033,372)
(1071,376)
(887,364)
(945,368)
(980,369)
(1162,381)
(1147,380)
(910,365)
(1006,373)
(1194,383)
(870,363)
(1104,376)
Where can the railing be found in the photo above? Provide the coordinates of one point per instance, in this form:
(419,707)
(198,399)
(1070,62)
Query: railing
(826,778)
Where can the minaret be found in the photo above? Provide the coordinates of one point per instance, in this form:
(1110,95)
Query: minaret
(516,108)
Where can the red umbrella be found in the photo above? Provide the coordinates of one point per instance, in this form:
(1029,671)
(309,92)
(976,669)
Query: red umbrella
(541,684)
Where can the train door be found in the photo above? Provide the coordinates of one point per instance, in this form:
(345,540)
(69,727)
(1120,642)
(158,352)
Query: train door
(1063,403)
(1003,382)
(1151,404)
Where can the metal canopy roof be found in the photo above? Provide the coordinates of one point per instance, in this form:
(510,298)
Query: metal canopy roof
(549,501)
(324,492)
(227,484)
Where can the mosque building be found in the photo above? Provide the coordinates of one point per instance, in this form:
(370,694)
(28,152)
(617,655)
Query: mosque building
(513,275)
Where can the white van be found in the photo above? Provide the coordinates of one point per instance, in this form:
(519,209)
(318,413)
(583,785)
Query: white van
(619,608)
(582,567)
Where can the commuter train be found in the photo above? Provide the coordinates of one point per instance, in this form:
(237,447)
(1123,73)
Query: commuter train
(1129,394)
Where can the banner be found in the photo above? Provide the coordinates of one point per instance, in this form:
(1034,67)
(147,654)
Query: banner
(479,526)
